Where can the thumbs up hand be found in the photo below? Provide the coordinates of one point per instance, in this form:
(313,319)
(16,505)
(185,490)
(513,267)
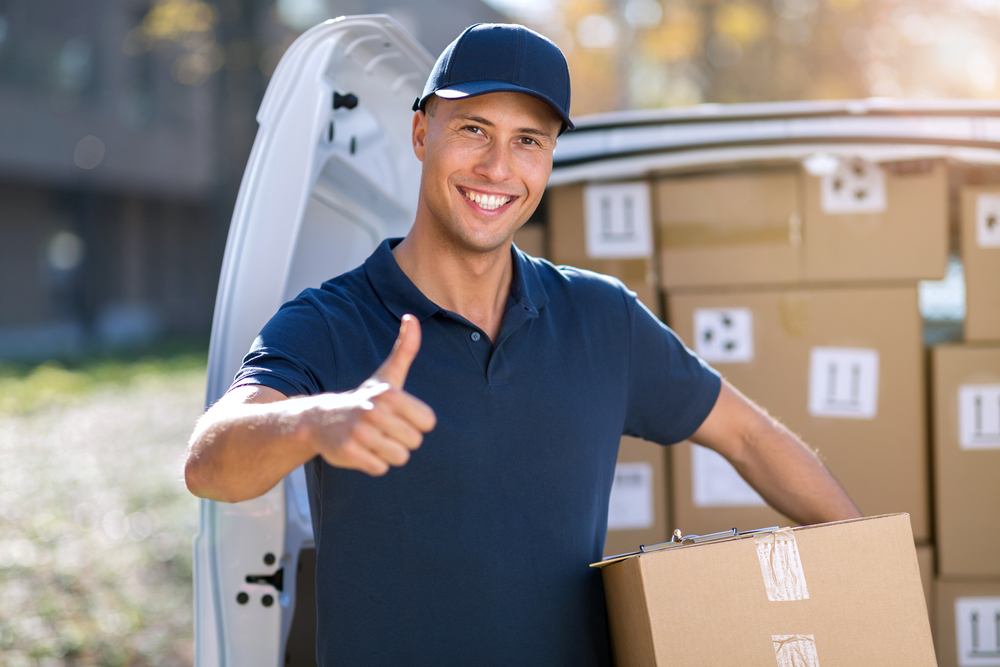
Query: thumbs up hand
(378,424)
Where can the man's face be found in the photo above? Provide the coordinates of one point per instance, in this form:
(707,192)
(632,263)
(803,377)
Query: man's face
(486,160)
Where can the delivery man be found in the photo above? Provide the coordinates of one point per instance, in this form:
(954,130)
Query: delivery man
(459,404)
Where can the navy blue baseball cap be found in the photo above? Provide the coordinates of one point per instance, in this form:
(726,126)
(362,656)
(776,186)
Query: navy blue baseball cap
(501,57)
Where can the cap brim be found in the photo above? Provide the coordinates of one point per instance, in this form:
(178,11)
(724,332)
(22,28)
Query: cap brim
(474,88)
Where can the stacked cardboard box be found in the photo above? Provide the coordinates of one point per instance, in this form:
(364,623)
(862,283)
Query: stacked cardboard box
(966,445)
(801,290)
(638,507)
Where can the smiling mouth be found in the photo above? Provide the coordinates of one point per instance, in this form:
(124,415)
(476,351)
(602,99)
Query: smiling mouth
(486,202)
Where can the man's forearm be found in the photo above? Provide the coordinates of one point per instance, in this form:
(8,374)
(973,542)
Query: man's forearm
(790,477)
(240,450)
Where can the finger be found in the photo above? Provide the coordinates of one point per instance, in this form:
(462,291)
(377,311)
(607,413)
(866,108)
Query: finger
(357,457)
(396,428)
(395,368)
(411,409)
(379,444)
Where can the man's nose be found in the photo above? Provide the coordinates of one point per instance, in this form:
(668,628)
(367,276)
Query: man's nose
(495,163)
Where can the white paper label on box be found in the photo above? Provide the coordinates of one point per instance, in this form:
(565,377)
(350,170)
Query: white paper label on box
(715,482)
(724,335)
(631,504)
(795,650)
(979,416)
(977,623)
(843,382)
(617,221)
(781,566)
(856,186)
(988,221)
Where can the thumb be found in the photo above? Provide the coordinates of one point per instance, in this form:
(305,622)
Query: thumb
(394,369)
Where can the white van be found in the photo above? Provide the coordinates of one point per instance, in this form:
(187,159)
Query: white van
(332,173)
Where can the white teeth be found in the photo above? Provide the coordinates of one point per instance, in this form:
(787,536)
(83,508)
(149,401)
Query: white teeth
(488,202)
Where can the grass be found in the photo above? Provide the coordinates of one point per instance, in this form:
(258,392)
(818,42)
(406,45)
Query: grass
(26,388)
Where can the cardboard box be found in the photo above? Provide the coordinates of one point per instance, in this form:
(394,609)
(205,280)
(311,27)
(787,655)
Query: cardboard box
(638,509)
(966,403)
(842,368)
(967,623)
(736,228)
(838,595)
(925,559)
(568,244)
(905,239)
(782,226)
(980,214)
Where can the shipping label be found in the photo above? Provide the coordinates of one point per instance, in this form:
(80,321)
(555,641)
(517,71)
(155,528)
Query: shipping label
(988,221)
(977,623)
(856,186)
(617,221)
(979,416)
(631,504)
(843,382)
(724,335)
(715,482)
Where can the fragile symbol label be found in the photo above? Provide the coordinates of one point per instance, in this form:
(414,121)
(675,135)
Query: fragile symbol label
(617,221)
(843,382)
(979,416)
(977,623)
(724,335)
(631,504)
(988,221)
(715,482)
(856,186)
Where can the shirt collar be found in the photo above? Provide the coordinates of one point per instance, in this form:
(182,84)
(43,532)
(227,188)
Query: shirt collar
(401,296)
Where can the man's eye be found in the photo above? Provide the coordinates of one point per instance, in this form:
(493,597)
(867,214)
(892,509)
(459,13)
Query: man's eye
(474,129)
(528,141)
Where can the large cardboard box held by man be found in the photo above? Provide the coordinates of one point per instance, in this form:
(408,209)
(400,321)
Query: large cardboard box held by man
(838,595)
(842,368)
(966,408)
(967,622)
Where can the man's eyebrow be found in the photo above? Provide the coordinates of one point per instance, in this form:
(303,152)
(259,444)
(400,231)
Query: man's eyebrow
(523,130)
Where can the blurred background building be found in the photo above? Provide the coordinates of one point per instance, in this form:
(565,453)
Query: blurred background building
(126,124)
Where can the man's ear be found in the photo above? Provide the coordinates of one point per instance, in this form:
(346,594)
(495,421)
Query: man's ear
(421,121)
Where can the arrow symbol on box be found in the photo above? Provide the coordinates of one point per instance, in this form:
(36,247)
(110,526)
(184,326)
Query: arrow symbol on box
(991,221)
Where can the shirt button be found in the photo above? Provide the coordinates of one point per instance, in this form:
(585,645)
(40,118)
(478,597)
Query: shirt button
(475,336)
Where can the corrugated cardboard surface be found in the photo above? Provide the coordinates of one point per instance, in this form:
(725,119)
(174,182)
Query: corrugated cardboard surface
(567,245)
(908,241)
(967,481)
(707,604)
(925,558)
(625,541)
(982,274)
(946,592)
(730,228)
(882,462)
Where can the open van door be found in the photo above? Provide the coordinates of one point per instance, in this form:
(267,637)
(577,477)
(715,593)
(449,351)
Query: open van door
(331,174)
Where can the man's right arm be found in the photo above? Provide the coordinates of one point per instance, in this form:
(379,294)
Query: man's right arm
(254,435)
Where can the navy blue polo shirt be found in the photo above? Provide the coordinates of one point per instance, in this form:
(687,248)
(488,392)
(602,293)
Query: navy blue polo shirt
(477,550)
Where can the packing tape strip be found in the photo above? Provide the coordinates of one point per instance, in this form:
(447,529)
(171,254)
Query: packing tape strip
(781,567)
(795,650)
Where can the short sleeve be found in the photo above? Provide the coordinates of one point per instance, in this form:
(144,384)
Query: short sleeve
(293,352)
(670,389)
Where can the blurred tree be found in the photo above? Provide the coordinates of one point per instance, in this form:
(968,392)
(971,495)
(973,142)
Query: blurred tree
(654,53)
